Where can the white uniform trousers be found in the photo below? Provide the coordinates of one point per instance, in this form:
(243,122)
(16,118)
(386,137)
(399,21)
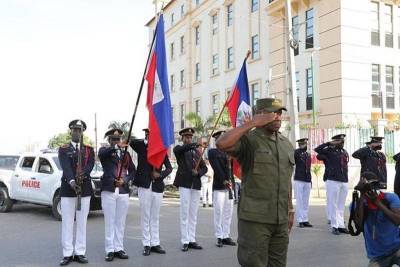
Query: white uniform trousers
(68,213)
(336,199)
(150,203)
(302,193)
(328,216)
(115,208)
(223,208)
(189,200)
(206,187)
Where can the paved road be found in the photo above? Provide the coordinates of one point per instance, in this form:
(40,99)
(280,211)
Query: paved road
(30,237)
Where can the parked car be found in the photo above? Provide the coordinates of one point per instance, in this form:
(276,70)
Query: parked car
(36,178)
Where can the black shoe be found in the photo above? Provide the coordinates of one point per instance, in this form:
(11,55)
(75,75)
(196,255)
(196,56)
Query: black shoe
(204,205)
(81,259)
(219,243)
(194,245)
(146,251)
(228,241)
(121,255)
(307,224)
(301,225)
(65,261)
(335,231)
(109,256)
(158,249)
(210,205)
(343,230)
(185,247)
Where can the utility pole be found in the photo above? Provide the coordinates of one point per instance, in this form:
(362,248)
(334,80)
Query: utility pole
(291,77)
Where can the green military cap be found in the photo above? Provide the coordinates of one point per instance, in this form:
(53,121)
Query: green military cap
(269,105)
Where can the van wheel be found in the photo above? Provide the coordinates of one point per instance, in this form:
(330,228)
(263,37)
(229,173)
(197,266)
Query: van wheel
(6,202)
(56,208)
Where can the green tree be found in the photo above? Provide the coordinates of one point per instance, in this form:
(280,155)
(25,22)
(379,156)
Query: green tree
(204,128)
(65,138)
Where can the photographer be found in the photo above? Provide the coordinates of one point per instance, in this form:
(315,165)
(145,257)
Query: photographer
(377,215)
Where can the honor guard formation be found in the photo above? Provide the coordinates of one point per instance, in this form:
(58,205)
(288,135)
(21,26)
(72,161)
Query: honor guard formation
(268,164)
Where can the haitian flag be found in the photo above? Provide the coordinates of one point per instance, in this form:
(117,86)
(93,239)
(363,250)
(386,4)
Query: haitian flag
(161,125)
(238,103)
(239,107)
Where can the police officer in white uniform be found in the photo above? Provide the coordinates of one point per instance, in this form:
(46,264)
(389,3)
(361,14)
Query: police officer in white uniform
(336,160)
(223,194)
(188,180)
(119,172)
(150,183)
(68,156)
(302,182)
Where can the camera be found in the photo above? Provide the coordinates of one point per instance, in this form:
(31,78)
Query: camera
(367,186)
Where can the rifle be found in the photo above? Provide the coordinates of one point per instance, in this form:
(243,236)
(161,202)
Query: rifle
(79,178)
(231,179)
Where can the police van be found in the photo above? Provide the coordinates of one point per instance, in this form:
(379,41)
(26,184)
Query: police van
(36,178)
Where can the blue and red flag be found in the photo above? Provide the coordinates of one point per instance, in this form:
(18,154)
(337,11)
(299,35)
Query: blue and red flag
(161,125)
(238,105)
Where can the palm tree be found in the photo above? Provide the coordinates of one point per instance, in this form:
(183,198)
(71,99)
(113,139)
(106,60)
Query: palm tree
(124,126)
(203,128)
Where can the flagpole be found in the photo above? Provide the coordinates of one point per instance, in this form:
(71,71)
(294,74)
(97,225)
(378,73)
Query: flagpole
(217,121)
(140,91)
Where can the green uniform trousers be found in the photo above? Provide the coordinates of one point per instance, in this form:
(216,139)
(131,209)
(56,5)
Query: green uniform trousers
(261,244)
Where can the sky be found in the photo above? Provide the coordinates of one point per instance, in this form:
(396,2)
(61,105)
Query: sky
(69,59)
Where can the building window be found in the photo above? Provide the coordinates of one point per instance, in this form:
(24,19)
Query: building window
(254,5)
(309,96)
(197,35)
(230,58)
(214,19)
(197,2)
(295,25)
(229,15)
(172,79)
(172,19)
(310,28)
(182,45)
(197,106)
(388,22)
(182,10)
(255,47)
(375,40)
(182,116)
(255,93)
(182,84)
(389,87)
(215,104)
(215,64)
(172,51)
(197,73)
(298,89)
(376,86)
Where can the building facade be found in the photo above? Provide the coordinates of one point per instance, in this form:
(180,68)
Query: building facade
(347,57)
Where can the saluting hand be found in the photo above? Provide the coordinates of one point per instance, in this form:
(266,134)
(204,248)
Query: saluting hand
(260,120)
(122,144)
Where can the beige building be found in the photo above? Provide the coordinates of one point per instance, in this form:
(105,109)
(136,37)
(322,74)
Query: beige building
(354,45)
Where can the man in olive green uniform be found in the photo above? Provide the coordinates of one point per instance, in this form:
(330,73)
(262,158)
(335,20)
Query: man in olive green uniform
(265,208)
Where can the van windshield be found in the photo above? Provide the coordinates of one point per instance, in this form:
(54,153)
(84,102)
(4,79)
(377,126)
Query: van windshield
(8,162)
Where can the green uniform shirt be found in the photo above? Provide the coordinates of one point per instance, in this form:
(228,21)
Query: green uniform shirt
(267,165)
